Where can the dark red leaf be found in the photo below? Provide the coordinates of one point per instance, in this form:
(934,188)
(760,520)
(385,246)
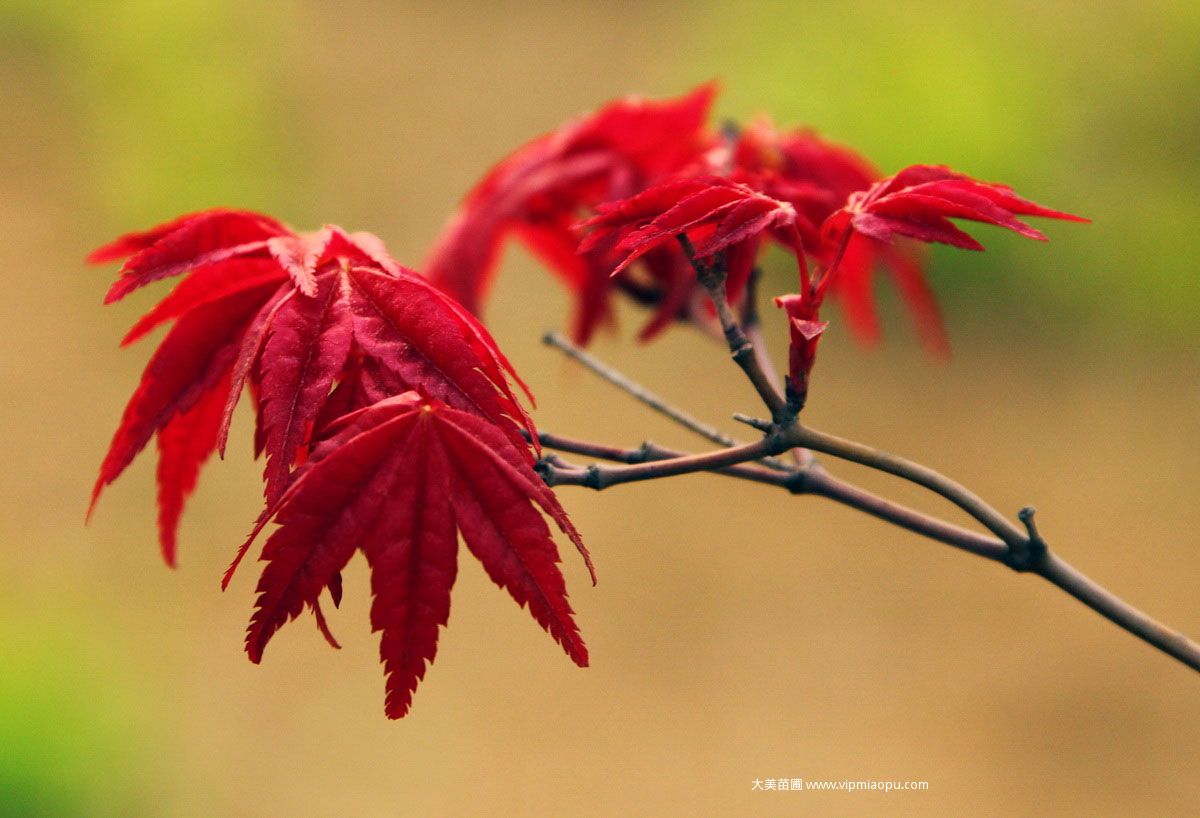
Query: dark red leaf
(196,354)
(202,286)
(290,315)
(307,345)
(402,323)
(397,480)
(184,244)
(184,444)
(714,212)
(919,201)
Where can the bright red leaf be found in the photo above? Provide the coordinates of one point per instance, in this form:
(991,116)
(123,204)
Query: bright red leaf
(292,315)
(812,174)
(397,480)
(716,214)
(920,200)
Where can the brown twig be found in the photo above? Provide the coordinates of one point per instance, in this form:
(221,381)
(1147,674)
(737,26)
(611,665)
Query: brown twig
(645,396)
(1026,552)
(1034,556)
(811,480)
(712,278)
(924,476)
(1023,551)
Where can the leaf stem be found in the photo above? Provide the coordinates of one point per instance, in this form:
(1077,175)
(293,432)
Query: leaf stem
(712,278)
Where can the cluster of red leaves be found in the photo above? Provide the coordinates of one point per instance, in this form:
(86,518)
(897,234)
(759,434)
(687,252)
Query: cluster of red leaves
(538,193)
(384,410)
(725,194)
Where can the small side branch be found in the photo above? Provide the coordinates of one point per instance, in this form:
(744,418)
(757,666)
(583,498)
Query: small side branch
(603,476)
(1024,552)
(636,390)
(645,396)
(743,352)
(565,474)
(810,480)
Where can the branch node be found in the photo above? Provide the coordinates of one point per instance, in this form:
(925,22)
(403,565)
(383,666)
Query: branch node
(1026,555)
(546,469)
(797,482)
(777,439)
(764,426)
(594,477)
(645,453)
(742,349)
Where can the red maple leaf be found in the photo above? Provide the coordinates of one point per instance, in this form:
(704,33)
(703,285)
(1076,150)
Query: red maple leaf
(539,192)
(398,480)
(293,315)
(920,200)
(817,177)
(716,214)
(812,174)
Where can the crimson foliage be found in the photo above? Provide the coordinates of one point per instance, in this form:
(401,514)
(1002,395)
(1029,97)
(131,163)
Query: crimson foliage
(726,192)
(387,413)
(384,410)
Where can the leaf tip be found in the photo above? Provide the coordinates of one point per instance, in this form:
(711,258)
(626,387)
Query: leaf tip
(96,490)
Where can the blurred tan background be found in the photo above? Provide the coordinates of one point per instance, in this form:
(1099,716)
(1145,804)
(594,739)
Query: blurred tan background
(736,633)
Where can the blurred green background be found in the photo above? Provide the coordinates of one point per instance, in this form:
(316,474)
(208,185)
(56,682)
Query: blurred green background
(736,633)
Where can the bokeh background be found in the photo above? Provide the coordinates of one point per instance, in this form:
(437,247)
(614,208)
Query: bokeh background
(736,633)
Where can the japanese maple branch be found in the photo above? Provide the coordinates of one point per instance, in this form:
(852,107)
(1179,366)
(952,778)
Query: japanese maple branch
(1021,551)
(924,476)
(1025,553)
(812,480)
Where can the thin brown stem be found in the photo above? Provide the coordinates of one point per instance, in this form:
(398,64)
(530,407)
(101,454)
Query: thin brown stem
(1023,552)
(822,484)
(1118,611)
(812,480)
(712,278)
(636,390)
(646,453)
(645,396)
(602,476)
(873,458)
